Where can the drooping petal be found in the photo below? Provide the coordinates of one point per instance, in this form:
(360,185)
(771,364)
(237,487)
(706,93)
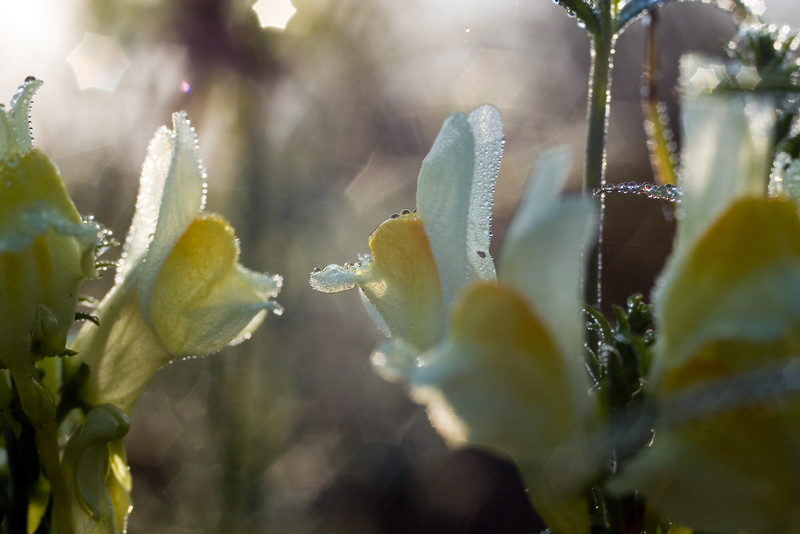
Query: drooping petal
(542,255)
(202,299)
(96,469)
(401,281)
(181,201)
(500,380)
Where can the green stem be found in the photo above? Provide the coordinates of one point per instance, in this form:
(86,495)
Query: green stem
(594,173)
(39,406)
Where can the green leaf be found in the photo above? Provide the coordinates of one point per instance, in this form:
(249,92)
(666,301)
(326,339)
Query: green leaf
(584,12)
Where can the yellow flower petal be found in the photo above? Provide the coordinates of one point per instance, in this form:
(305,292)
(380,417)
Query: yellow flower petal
(740,281)
(734,472)
(202,299)
(402,281)
(500,380)
(729,307)
(46,250)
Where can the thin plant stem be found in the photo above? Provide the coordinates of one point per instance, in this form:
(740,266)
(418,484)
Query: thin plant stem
(602,43)
(39,406)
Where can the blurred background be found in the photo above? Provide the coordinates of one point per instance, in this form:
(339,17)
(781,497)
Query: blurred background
(313,130)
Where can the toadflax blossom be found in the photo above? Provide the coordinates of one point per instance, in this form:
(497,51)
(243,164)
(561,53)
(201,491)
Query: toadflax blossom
(180,290)
(727,439)
(420,260)
(509,374)
(46,250)
(497,363)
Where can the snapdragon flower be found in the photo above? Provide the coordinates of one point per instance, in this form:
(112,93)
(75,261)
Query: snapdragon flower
(46,249)
(509,375)
(727,307)
(180,290)
(421,259)
(497,363)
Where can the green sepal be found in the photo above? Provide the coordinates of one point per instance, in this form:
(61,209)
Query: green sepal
(95,466)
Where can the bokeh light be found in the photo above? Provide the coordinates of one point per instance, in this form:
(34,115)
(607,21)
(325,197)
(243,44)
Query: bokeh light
(98,62)
(274,13)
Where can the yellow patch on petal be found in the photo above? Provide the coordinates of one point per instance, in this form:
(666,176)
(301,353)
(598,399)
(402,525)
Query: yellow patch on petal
(403,281)
(31,182)
(504,342)
(504,378)
(733,472)
(199,261)
(729,310)
(731,286)
(45,255)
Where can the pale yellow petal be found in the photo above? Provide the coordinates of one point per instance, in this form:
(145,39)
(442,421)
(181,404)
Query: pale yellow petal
(503,383)
(202,300)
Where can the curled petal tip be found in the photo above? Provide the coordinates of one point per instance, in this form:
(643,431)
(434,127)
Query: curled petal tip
(15,133)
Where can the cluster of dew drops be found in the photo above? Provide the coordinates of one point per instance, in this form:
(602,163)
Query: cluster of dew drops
(669,192)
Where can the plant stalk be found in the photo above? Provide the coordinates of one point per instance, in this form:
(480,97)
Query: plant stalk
(594,173)
(39,406)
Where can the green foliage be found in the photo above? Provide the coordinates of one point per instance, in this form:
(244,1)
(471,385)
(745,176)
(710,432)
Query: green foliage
(622,361)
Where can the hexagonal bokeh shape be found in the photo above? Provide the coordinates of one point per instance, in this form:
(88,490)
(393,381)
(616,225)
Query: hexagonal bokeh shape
(274,13)
(98,62)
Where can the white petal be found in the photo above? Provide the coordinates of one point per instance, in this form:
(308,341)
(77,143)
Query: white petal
(151,189)
(454,197)
(444,189)
(182,200)
(728,139)
(487,129)
(542,255)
